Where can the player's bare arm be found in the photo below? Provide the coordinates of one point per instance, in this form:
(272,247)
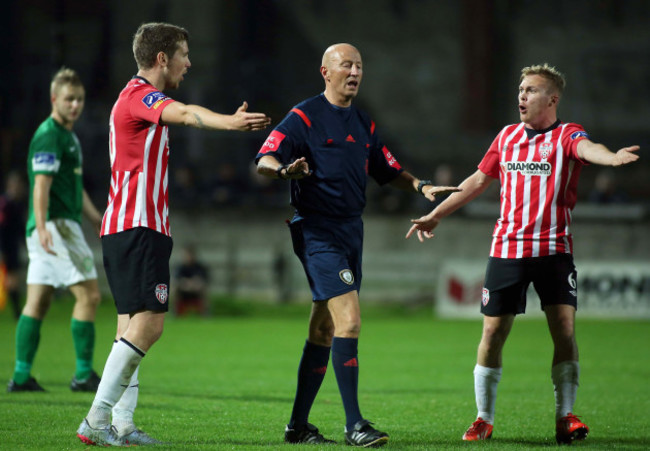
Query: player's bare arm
(42,185)
(431,191)
(178,113)
(599,154)
(271,167)
(471,188)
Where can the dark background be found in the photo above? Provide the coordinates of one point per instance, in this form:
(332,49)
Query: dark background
(440,80)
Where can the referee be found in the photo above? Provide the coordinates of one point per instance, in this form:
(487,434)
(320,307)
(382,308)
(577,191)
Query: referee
(328,148)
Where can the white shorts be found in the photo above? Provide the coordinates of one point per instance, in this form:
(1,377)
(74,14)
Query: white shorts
(73,262)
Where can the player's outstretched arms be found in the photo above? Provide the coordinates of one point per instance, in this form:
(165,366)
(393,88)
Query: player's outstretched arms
(430,192)
(423,227)
(626,155)
(472,187)
(245,121)
(178,113)
(599,154)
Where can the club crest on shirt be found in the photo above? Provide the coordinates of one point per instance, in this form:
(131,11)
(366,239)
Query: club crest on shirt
(545,150)
(485,296)
(347,276)
(162,293)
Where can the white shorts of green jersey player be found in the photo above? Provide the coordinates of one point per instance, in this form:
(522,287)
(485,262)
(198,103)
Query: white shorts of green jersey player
(73,262)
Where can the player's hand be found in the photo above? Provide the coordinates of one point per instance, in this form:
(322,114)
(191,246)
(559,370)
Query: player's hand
(45,237)
(430,191)
(299,169)
(423,226)
(625,156)
(245,121)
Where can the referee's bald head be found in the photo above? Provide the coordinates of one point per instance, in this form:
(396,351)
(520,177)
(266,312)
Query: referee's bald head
(334,52)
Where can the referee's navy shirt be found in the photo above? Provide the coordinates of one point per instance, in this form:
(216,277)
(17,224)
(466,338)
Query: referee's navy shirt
(341,148)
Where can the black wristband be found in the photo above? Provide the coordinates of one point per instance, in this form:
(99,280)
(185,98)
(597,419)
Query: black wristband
(278,172)
(422,184)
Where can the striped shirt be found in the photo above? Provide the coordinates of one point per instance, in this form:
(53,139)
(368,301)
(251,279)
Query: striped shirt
(538,171)
(139,154)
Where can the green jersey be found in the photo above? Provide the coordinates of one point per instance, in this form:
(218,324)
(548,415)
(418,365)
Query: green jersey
(56,151)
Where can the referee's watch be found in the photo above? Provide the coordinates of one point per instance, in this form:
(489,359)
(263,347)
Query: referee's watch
(278,172)
(422,183)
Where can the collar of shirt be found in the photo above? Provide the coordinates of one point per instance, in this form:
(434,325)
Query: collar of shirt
(532,133)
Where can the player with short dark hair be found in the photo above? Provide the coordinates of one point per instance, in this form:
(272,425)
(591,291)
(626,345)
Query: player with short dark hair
(327,148)
(59,256)
(136,238)
(538,162)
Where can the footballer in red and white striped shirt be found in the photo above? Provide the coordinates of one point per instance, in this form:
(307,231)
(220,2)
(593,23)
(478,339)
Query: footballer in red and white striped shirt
(136,240)
(538,171)
(538,162)
(139,154)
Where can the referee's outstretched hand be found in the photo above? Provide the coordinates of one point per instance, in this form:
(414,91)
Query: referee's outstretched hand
(298,169)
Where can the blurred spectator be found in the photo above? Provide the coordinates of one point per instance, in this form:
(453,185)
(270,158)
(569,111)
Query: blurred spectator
(12,237)
(605,190)
(227,186)
(187,192)
(191,280)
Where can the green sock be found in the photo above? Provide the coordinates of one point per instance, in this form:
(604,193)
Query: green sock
(28,334)
(83,335)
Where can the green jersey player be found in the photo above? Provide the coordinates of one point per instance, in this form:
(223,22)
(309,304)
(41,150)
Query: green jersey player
(59,256)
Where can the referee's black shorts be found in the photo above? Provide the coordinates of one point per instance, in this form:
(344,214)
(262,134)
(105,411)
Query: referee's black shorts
(506,281)
(137,268)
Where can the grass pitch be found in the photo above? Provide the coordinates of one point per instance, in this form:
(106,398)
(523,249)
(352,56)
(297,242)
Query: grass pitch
(227,382)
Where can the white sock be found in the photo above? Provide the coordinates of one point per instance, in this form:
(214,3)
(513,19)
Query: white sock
(120,366)
(485,388)
(565,376)
(123,410)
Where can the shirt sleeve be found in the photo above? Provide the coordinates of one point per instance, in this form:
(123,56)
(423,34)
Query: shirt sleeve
(283,141)
(574,133)
(46,154)
(490,163)
(382,164)
(148,104)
